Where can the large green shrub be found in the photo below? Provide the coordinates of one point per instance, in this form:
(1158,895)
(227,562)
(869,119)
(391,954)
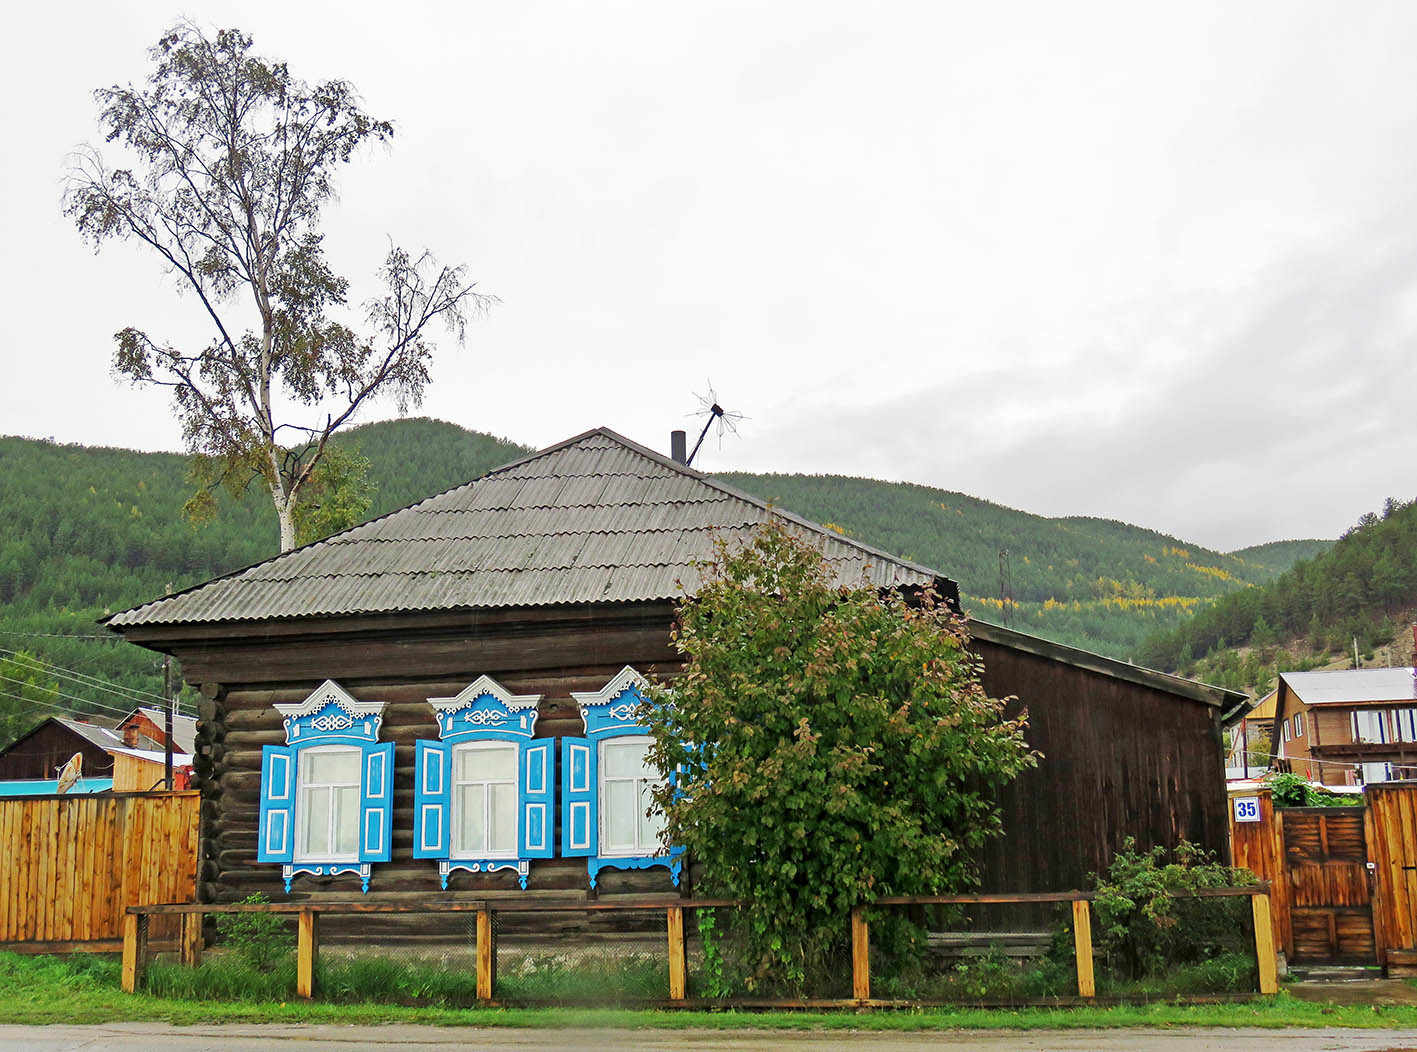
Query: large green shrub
(832,745)
(260,939)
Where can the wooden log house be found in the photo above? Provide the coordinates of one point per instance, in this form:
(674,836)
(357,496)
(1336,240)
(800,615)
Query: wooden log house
(551,577)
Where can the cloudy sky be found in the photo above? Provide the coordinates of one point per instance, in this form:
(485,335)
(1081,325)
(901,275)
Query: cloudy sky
(1156,262)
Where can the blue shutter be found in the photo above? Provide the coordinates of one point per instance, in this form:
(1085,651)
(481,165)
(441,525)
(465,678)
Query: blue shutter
(580,793)
(536,796)
(432,800)
(376,803)
(276,834)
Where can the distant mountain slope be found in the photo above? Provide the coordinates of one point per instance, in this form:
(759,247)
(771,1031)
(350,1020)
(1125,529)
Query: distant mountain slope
(1280,555)
(1095,583)
(85,530)
(1352,590)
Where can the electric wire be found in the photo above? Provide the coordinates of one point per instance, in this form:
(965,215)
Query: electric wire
(136,694)
(88,702)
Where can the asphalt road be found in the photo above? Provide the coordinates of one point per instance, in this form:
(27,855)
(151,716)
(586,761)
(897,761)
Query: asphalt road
(159,1037)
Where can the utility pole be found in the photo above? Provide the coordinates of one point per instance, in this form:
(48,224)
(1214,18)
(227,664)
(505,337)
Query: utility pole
(167,693)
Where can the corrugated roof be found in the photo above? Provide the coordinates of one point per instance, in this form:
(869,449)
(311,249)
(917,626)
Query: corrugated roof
(596,518)
(1353,686)
(103,737)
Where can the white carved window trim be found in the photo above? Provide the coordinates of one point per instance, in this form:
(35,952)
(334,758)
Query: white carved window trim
(459,849)
(302,808)
(643,784)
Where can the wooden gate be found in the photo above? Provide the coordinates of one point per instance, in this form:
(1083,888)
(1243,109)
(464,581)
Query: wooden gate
(1330,898)
(1392,837)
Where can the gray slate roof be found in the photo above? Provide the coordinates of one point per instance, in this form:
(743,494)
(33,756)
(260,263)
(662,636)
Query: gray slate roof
(594,519)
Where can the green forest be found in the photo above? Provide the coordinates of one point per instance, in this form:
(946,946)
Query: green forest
(88,531)
(1357,590)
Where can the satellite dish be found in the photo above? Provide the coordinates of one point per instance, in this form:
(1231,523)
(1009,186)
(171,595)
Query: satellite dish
(70,774)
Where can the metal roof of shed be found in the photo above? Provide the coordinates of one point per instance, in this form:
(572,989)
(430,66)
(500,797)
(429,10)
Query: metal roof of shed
(1353,686)
(596,518)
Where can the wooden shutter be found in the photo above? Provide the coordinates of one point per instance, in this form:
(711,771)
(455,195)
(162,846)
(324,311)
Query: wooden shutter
(432,800)
(376,803)
(276,827)
(536,792)
(580,797)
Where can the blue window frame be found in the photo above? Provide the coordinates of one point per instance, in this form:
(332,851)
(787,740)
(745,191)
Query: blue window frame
(484,792)
(327,794)
(605,783)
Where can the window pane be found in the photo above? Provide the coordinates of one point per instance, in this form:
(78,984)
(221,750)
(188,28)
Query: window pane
(503,840)
(472,831)
(327,768)
(619,818)
(651,825)
(625,759)
(346,821)
(499,764)
(317,822)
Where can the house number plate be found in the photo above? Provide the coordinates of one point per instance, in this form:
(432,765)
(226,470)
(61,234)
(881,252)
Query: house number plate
(1247,808)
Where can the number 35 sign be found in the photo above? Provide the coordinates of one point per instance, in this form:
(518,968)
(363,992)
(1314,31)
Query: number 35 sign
(1247,808)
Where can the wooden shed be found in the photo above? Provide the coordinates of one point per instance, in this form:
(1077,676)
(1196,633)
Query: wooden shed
(551,577)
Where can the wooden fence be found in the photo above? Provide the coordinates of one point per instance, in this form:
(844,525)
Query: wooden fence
(136,935)
(70,866)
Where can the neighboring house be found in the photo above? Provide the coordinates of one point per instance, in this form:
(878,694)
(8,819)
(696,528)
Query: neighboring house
(145,728)
(39,754)
(1347,727)
(1251,749)
(145,770)
(445,697)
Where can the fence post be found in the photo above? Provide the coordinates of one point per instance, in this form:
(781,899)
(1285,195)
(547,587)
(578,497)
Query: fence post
(135,951)
(860,955)
(191,945)
(1264,944)
(307,953)
(678,968)
(486,956)
(1082,947)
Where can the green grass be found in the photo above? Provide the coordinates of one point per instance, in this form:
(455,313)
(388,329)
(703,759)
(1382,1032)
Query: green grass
(84,989)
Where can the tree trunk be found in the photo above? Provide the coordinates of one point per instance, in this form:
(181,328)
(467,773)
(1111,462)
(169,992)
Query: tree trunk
(287,528)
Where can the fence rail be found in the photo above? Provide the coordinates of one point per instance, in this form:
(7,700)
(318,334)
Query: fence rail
(137,923)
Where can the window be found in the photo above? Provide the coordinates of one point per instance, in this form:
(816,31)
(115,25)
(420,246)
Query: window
(483,793)
(607,815)
(327,794)
(628,823)
(485,800)
(327,809)
(1369,725)
(1298,725)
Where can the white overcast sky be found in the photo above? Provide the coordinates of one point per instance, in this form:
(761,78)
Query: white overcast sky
(1155,262)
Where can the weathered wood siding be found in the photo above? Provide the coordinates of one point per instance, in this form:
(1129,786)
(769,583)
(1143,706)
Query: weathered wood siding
(1119,759)
(37,755)
(72,865)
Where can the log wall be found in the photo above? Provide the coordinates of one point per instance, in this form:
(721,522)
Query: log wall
(1121,759)
(73,864)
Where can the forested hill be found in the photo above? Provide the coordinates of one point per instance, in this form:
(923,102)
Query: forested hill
(1094,583)
(1353,590)
(84,531)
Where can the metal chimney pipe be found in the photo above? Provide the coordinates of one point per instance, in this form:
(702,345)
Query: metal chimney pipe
(679,447)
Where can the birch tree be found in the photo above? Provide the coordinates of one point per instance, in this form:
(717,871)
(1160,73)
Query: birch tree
(227,164)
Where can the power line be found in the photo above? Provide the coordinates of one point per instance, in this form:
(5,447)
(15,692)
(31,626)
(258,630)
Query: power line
(110,638)
(82,701)
(84,679)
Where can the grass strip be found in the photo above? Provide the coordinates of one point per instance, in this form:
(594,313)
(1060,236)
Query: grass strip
(84,990)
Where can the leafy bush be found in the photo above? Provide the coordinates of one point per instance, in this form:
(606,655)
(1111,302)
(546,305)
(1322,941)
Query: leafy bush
(1291,790)
(260,939)
(832,745)
(1146,926)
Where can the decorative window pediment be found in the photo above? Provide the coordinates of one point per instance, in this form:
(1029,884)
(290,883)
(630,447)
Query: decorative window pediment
(484,792)
(327,794)
(605,784)
(485,709)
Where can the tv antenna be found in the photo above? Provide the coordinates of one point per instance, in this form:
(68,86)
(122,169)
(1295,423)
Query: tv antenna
(727,421)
